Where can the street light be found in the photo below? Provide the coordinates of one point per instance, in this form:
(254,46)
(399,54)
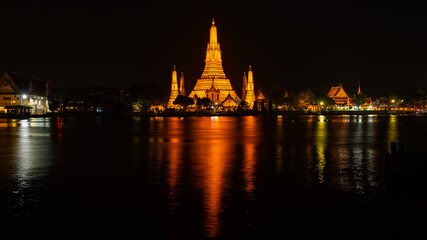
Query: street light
(24,96)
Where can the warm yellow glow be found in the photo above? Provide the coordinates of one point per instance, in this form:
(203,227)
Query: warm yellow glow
(392,101)
(321,142)
(321,103)
(213,73)
(175,147)
(250,93)
(213,34)
(174,89)
(392,131)
(211,164)
(249,156)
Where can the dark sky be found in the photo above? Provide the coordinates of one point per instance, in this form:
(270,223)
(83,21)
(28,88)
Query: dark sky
(292,46)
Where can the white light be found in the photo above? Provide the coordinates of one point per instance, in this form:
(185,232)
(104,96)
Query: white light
(24,96)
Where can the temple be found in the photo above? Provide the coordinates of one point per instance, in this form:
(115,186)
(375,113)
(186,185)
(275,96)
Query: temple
(181,85)
(248,89)
(339,96)
(174,89)
(213,83)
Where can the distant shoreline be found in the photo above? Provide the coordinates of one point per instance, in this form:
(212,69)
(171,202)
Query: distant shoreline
(209,114)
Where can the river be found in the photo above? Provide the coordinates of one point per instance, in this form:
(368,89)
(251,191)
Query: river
(207,177)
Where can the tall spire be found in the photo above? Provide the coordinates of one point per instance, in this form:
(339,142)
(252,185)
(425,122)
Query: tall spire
(250,93)
(174,88)
(213,34)
(358,90)
(213,61)
(181,85)
(244,86)
(213,76)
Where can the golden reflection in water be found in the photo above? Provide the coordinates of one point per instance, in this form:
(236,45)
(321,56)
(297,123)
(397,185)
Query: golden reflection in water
(212,158)
(321,141)
(174,132)
(249,154)
(213,190)
(392,131)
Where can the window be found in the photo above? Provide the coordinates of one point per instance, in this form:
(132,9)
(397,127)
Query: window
(6,98)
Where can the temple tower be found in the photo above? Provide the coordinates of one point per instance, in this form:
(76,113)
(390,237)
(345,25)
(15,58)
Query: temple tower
(244,86)
(358,90)
(174,89)
(213,61)
(213,77)
(181,85)
(250,93)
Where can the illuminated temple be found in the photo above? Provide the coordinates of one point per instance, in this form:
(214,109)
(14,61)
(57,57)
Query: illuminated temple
(213,83)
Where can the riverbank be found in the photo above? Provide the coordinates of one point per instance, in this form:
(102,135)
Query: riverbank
(187,114)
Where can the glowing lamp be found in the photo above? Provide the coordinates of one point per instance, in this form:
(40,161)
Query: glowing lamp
(24,96)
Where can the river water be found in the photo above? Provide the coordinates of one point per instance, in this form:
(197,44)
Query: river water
(207,177)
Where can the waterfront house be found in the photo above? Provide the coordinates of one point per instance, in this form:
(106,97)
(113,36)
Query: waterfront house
(20,90)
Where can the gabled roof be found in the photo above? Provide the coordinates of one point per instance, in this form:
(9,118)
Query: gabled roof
(337,93)
(229,97)
(24,84)
(229,101)
(212,89)
(333,91)
(260,95)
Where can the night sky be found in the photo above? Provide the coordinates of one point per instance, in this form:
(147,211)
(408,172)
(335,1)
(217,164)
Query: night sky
(291,46)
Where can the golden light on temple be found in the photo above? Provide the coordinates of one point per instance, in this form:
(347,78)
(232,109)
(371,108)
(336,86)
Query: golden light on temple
(250,91)
(213,83)
(174,88)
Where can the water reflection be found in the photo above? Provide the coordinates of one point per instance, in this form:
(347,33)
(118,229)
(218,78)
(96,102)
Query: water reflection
(392,131)
(31,155)
(175,134)
(321,142)
(24,163)
(199,170)
(249,154)
(212,158)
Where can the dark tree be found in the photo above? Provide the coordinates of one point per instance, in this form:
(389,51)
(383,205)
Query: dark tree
(146,94)
(359,99)
(321,99)
(304,98)
(183,101)
(205,102)
(277,97)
